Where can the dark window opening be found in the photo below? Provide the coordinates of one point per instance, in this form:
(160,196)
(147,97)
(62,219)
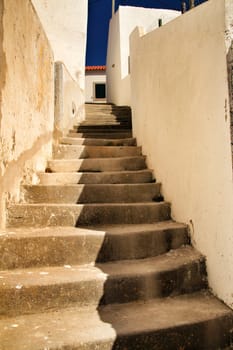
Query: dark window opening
(100,90)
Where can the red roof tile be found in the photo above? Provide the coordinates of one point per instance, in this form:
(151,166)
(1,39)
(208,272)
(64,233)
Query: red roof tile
(88,68)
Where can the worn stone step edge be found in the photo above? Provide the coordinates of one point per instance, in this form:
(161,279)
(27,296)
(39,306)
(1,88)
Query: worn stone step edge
(97,164)
(113,120)
(85,152)
(60,178)
(94,128)
(194,321)
(91,193)
(98,142)
(28,247)
(104,135)
(42,215)
(39,289)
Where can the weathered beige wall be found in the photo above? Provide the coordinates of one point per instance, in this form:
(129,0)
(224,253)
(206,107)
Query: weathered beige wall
(26,98)
(121,26)
(65,24)
(181,118)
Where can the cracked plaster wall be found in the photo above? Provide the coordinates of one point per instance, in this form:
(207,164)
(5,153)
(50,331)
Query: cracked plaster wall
(26,99)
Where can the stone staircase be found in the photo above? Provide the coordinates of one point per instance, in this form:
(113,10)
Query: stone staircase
(92,260)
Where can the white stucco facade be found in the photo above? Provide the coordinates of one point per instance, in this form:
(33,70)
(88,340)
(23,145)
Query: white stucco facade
(65,24)
(118,63)
(181,119)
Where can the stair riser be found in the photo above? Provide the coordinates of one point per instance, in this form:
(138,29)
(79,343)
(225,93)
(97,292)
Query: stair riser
(52,251)
(49,251)
(106,114)
(186,279)
(95,178)
(209,335)
(98,142)
(73,215)
(28,300)
(104,135)
(97,164)
(108,128)
(106,121)
(141,245)
(119,289)
(75,152)
(91,193)
(101,118)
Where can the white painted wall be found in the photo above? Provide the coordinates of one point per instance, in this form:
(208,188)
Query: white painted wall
(69,107)
(121,26)
(91,78)
(181,118)
(65,24)
(27,95)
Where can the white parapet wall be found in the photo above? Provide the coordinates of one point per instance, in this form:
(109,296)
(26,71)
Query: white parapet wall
(26,95)
(65,24)
(121,25)
(181,118)
(69,106)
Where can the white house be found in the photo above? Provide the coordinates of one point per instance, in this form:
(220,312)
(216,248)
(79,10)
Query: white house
(95,84)
(122,24)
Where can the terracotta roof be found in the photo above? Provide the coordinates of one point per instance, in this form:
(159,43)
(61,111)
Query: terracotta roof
(88,68)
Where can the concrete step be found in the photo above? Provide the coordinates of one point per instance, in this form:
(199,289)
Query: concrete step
(42,215)
(108,108)
(192,321)
(105,119)
(40,289)
(57,246)
(101,129)
(111,128)
(101,118)
(105,116)
(97,164)
(138,176)
(102,135)
(139,241)
(83,152)
(98,142)
(92,193)
(101,114)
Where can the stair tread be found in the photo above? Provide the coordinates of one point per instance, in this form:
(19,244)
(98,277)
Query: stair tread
(110,177)
(139,171)
(77,327)
(86,139)
(136,204)
(56,246)
(97,230)
(25,278)
(129,185)
(137,228)
(97,158)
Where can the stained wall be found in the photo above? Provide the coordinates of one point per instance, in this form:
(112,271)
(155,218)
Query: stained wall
(26,92)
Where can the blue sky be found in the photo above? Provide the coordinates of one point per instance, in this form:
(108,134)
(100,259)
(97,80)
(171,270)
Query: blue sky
(99,14)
